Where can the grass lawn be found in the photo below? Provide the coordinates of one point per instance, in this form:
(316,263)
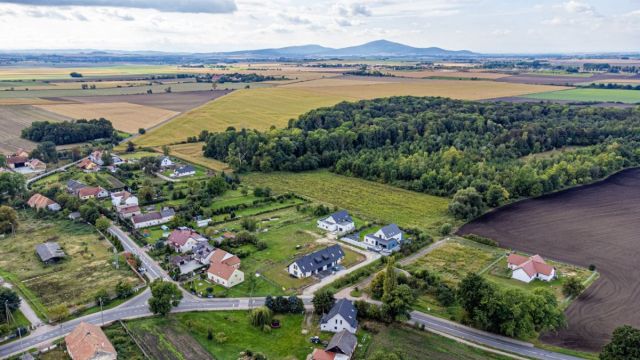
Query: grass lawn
(71,282)
(138,154)
(186,334)
(411,343)
(604,95)
(233,198)
(262,287)
(367,199)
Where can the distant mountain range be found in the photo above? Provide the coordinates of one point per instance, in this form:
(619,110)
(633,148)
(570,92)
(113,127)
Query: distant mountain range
(374,49)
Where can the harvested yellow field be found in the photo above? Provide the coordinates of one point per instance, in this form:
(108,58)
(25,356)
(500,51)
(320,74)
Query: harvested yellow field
(28,101)
(124,116)
(350,81)
(467,90)
(451,74)
(192,152)
(252,108)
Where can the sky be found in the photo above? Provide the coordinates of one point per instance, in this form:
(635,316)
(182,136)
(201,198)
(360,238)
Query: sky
(497,26)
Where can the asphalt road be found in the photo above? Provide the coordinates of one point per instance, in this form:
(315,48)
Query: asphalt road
(154,271)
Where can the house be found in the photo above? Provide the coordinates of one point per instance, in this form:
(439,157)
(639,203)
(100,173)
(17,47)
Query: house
(342,316)
(87,165)
(339,223)
(203,252)
(21,152)
(39,202)
(224,269)
(527,269)
(316,262)
(73,186)
(127,212)
(388,238)
(123,199)
(201,221)
(74,216)
(166,162)
(36,165)
(183,171)
(49,252)
(17,161)
(96,157)
(154,218)
(88,342)
(341,347)
(184,239)
(92,192)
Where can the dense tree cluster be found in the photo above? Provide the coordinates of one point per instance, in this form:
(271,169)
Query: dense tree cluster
(440,146)
(69,132)
(237,77)
(625,345)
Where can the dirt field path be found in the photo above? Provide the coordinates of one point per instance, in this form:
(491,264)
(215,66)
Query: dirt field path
(596,224)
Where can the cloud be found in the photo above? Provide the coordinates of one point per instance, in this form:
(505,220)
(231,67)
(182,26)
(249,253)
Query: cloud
(578,7)
(49,14)
(360,9)
(343,22)
(184,6)
(501,32)
(79,16)
(295,19)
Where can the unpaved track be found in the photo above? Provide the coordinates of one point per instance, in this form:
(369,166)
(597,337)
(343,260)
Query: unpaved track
(596,224)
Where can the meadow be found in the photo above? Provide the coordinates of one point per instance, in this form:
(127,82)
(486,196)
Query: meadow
(363,198)
(73,281)
(591,95)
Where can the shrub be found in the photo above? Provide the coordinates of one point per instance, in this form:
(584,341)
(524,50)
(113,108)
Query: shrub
(445,229)
(481,239)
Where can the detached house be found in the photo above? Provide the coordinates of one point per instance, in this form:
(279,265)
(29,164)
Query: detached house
(184,240)
(39,202)
(154,218)
(88,342)
(224,269)
(96,157)
(166,162)
(36,165)
(127,212)
(92,192)
(316,262)
(183,171)
(388,238)
(339,223)
(527,269)
(87,165)
(342,316)
(123,199)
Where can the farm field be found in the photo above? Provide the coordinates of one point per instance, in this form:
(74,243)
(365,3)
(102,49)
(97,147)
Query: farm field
(363,198)
(124,116)
(421,74)
(414,344)
(600,95)
(192,152)
(594,224)
(72,282)
(184,336)
(14,118)
(262,108)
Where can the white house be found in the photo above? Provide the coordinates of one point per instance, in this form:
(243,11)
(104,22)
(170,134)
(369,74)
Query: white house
(388,238)
(316,262)
(339,223)
(527,269)
(183,171)
(92,192)
(342,316)
(123,199)
(152,219)
(224,269)
(184,240)
(166,162)
(96,157)
(127,212)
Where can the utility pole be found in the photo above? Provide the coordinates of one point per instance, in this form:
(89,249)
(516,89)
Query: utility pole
(101,312)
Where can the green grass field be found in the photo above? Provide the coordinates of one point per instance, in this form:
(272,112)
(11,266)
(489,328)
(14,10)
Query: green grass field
(73,281)
(600,95)
(254,108)
(367,199)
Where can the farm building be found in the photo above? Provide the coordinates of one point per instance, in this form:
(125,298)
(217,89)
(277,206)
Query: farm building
(154,218)
(341,347)
(183,171)
(39,202)
(388,238)
(184,240)
(527,269)
(224,269)
(342,316)
(49,252)
(316,262)
(88,342)
(127,212)
(36,165)
(16,161)
(92,192)
(339,223)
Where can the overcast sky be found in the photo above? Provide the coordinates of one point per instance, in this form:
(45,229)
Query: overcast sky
(496,26)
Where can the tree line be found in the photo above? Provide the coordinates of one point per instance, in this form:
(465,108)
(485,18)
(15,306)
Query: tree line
(442,146)
(69,132)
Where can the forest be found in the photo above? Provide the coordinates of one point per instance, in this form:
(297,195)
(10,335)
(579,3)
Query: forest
(69,132)
(442,146)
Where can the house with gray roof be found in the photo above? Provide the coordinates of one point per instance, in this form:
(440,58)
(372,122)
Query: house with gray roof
(183,171)
(388,239)
(316,262)
(338,223)
(342,316)
(153,218)
(49,252)
(73,186)
(341,347)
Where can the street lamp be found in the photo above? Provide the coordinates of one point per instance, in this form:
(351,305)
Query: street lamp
(253,285)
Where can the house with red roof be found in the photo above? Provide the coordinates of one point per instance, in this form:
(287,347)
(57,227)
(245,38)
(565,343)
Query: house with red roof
(92,192)
(224,269)
(184,240)
(527,269)
(89,342)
